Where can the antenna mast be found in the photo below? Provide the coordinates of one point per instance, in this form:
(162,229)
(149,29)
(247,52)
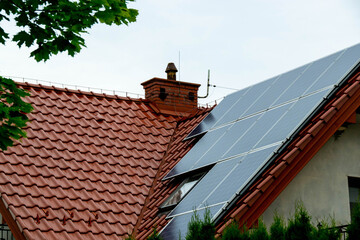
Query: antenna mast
(179,66)
(207,86)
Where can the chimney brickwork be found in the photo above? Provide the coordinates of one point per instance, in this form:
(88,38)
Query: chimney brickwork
(172,96)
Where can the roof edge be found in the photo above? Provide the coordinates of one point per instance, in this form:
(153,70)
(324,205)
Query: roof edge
(94,94)
(11,222)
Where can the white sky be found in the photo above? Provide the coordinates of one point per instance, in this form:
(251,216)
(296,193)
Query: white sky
(241,42)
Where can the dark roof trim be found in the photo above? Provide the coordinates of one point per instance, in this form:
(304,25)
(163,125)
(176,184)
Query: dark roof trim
(11,222)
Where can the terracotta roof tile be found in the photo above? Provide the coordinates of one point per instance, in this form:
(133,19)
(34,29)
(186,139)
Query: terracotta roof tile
(162,189)
(87,166)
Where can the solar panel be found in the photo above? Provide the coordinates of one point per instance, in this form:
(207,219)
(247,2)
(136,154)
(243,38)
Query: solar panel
(243,104)
(179,224)
(239,176)
(300,81)
(195,154)
(291,120)
(258,129)
(243,131)
(205,186)
(265,128)
(339,69)
(312,73)
(224,106)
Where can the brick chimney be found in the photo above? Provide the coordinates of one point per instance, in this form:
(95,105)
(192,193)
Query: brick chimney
(171,96)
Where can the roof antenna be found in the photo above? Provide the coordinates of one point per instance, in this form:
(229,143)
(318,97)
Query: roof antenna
(179,65)
(207,87)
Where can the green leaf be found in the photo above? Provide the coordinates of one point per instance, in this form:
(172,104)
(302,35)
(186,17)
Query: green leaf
(45,24)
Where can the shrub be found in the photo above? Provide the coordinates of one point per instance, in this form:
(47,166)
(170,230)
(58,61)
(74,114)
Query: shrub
(299,227)
(201,229)
(260,233)
(277,229)
(354,227)
(326,232)
(233,232)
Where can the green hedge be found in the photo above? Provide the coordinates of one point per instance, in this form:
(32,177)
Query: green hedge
(298,227)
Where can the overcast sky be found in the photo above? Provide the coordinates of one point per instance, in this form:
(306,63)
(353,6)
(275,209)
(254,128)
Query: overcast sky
(241,42)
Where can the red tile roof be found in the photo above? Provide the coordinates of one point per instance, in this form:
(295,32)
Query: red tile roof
(92,165)
(87,166)
(161,190)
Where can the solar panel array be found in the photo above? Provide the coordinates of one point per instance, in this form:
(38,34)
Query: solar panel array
(246,129)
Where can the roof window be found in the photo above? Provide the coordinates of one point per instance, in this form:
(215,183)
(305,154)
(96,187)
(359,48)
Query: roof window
(181,191)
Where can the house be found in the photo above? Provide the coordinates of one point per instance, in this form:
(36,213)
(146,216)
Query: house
(89,161)
(97,166)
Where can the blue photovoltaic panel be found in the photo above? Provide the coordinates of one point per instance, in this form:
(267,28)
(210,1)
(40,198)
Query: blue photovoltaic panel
(277,88)
(203,145)
(224,106)
(292,119)
(232,134)
(205,186)
(243,104)
(239,176)
(259,129)
(312,73)
(245,130)
(269,127)
(311,77)
(337,71)
(179,224)
(223,181)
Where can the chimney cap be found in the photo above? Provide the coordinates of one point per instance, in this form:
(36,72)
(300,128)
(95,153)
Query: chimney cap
(171,68)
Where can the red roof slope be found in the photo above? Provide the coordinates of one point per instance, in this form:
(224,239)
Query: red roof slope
(162,189)
(87,165)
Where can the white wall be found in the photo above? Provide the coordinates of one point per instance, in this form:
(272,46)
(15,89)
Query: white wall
(322,185)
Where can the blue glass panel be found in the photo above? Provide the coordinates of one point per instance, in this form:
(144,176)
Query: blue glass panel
(240,175)
(311,74)
(204,187)
(196,153)
(257,131)
(233,133)
(292,119)
(337,71)
(277,88)
(239,108)
(218,112)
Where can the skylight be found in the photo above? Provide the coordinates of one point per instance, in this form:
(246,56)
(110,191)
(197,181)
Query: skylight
(182,190)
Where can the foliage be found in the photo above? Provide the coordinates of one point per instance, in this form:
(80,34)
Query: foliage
(299,227)
(154,236)
(55,26)
(325,231)
(13,112)
(260,233)
(130,237)
(201,229)
(277,229)
(232,232)
(354,227)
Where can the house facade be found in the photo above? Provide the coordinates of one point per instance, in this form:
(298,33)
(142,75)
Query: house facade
(324,185)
